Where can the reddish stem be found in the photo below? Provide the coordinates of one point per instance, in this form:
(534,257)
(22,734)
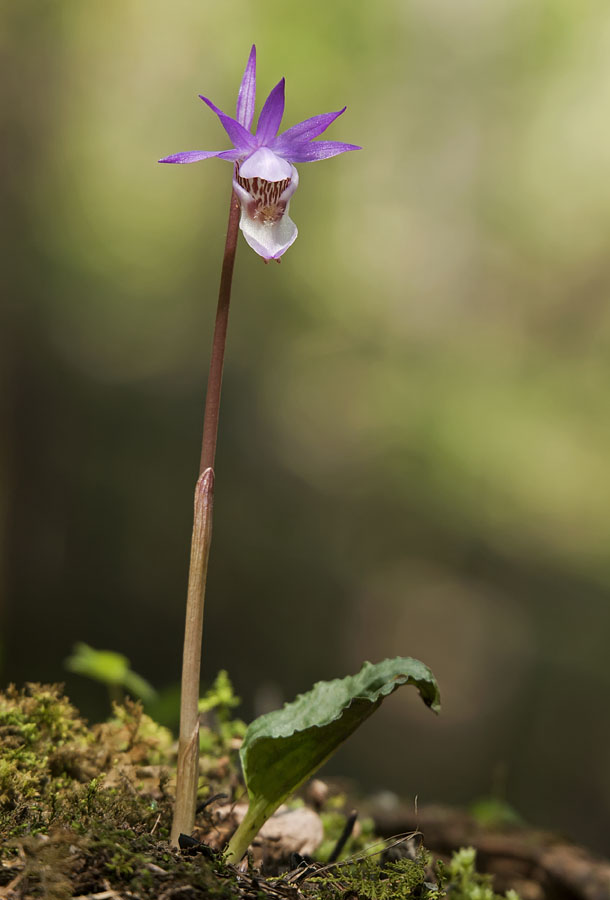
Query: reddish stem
(212,400)
(187,773)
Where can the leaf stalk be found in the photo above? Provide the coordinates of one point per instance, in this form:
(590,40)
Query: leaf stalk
(256,816)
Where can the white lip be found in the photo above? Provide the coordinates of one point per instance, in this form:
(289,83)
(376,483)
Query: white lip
(269,240)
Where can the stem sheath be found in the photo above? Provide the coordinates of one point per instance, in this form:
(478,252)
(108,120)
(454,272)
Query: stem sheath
(187,775)
(188,744)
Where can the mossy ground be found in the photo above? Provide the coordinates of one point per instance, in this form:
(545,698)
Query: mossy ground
(86,812)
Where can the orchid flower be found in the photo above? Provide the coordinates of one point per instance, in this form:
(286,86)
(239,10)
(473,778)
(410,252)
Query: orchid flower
(264,176)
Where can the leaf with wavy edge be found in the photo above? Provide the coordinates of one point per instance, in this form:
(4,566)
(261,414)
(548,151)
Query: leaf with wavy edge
(283,748)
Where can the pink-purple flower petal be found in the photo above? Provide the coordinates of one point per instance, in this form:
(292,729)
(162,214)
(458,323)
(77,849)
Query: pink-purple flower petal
(242,139)
(271,115)
(307,130)
(190,156)
(310,152)
(247,92)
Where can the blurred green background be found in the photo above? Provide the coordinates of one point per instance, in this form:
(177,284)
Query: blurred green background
(414,453)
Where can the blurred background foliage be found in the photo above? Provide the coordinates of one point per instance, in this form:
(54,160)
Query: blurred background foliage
(415,444)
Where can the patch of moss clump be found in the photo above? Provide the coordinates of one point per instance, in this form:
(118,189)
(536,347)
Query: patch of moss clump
(86,810)
(376,878)
(57,772)
(371,877)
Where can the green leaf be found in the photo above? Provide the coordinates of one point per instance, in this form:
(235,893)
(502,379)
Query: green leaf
(285,747)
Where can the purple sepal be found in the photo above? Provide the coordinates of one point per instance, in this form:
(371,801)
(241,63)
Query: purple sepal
(271,115)
(247,92)
(315,150)
(306,131)
(190,156)
(242,139)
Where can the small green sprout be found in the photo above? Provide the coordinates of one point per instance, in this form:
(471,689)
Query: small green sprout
(220,697)
(220,700)
(112,669)
(492,812)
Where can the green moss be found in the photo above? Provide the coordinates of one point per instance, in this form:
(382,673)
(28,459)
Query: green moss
(368,877)
(65,865)
(465,883)
(85,810)
(54,771)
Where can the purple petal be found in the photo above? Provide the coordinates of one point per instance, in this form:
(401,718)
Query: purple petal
(271,115)
(318,150)
(264,163)
(242,139)
(247,92)
(190,156)
(307,130)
